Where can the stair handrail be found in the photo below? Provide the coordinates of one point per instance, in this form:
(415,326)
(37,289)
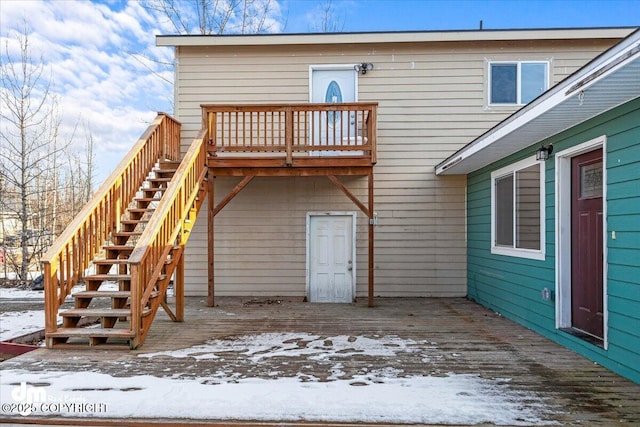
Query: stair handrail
(65,262)
(166,227)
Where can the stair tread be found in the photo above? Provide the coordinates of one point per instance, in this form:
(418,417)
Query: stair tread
(100,294)
(119,247)
(91,332)
(134,221)
(159,179)
(110,261)
(104,277)
(96,312)
(126,233)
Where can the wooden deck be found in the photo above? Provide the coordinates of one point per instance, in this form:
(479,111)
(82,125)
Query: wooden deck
(291,139)
(458,337)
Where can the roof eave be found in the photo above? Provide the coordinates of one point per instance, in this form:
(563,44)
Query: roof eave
(391,37)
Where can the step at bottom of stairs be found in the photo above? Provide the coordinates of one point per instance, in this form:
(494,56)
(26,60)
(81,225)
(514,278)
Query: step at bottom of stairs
(91,332)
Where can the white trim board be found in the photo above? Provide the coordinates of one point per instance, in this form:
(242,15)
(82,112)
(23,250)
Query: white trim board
(563,231)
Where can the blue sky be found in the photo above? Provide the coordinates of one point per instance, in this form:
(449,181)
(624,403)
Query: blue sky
(390,15)
(96,52)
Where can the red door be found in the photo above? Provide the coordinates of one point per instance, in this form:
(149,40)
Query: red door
(586,243)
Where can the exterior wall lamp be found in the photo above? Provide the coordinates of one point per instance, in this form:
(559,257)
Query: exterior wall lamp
(544,152)
(363,68)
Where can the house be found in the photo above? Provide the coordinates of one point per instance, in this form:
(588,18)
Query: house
(434,92)
(553,211)
(314,155)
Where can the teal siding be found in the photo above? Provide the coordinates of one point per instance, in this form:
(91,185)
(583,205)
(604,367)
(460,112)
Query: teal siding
(512,286)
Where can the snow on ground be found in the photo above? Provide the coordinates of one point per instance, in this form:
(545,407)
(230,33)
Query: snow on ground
(18,323)
(452,399)
(270,345)
(17,293)
(382,395)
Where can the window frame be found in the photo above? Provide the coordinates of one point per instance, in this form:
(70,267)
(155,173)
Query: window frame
(518,65)
(514,251)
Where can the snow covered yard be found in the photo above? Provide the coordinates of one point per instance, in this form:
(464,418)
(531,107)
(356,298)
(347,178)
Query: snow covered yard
(22,312)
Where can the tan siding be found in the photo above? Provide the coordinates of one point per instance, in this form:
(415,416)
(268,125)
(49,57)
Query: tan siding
(432,102)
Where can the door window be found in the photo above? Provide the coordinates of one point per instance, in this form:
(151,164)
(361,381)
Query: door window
(334,96)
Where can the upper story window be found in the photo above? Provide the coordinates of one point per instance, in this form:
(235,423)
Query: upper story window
(517,210)
(516,83)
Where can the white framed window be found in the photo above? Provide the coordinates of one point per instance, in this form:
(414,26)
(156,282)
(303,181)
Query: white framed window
(517,210)
(517,82)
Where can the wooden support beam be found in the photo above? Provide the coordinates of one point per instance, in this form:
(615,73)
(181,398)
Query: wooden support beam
(290,171)
(210,241)
(179,288)
(349,194)
(328,162)
(232,194)
(167,310)
(371,241)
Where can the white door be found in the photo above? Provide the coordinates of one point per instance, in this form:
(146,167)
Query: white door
(330,258)
(331,128)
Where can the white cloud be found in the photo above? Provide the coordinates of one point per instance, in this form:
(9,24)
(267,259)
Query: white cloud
(107,72)
(88,49)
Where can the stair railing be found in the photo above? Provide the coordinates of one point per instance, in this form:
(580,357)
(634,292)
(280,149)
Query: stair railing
(71,253)
(168,227)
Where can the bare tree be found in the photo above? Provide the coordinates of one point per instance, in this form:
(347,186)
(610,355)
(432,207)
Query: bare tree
(207,17)
(87,170)
(328,19)
(28,141)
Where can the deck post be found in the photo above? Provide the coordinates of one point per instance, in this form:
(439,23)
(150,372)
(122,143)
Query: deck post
(371,240)
(135,321)
(210,241)
(179,289)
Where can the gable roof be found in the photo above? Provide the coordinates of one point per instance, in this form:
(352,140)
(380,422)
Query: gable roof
(609,80)
(391,37)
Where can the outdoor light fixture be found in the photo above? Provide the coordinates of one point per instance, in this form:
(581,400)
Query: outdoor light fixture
(363,68)
(543,152)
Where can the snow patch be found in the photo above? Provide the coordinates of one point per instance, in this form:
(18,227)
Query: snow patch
(314,347)
(17,323)
(452,399)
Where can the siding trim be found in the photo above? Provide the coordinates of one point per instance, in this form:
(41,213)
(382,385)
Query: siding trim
(563,231)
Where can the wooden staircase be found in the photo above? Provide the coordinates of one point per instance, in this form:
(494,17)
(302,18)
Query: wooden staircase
(106,301)
(122,252)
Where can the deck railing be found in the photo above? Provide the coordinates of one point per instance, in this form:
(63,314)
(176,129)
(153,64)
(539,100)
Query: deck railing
(168,229)
(71,254)
(293,129)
